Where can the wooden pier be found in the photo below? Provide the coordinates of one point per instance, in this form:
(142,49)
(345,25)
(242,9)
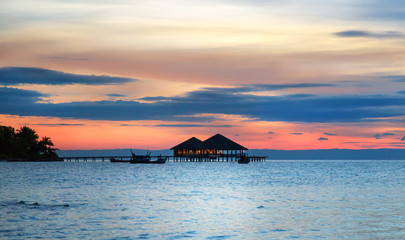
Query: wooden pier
(94,159)
(215,149)
(216,158)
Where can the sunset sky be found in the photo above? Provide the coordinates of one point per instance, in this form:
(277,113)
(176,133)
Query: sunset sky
(275,74)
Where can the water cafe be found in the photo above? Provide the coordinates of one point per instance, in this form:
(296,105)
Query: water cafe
(215,148)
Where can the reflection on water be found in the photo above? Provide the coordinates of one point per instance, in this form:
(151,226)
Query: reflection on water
(270,200)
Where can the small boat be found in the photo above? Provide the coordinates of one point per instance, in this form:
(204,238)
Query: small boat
(146,159)
(243,159)
(115,160)
(158,161)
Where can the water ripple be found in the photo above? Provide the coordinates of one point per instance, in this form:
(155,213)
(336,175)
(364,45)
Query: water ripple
(271,200)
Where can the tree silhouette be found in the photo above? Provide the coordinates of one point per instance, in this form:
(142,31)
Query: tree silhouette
(24,144)
(46,148)
(27,142)
(7,138)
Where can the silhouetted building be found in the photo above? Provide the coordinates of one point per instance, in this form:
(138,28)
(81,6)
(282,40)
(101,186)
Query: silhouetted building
(215,146)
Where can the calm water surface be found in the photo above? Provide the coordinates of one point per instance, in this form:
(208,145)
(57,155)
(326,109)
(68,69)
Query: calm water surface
(266,200)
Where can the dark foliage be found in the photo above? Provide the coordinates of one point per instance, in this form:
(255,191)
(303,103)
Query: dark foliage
(24,144)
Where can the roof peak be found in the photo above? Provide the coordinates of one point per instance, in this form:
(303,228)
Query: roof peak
(220,142)
(191,143)
(217,141)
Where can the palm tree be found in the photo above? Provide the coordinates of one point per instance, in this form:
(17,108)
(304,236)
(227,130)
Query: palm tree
(27,142)
(24,144)
(46,147)
(7,139)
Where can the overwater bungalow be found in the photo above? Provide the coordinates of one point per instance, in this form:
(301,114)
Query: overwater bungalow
(215,148)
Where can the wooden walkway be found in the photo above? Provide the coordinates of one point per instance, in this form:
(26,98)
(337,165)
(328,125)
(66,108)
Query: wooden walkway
(169,158)
(228,158)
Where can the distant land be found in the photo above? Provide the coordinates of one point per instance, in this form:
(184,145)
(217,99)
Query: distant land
(318,154)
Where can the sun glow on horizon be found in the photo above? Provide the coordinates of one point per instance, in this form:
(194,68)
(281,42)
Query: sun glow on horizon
(156,135)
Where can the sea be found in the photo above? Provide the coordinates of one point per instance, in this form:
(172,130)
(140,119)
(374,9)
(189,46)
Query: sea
(203,200)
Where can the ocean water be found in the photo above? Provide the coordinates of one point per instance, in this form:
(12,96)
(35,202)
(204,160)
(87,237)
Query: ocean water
(263,200)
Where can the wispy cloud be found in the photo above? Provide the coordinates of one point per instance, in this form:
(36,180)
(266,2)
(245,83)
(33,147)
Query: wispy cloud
(59,124)
(59,58)
(387,10)
(297,133)
(367,34)
(194,125)
(115,95)
(14,76)
(329,134)
(181,125)
(275,87)
(249,88)
(399,78)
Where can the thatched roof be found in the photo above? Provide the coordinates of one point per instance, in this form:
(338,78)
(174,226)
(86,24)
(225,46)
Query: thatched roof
(219,142)
(192,143)
(216,142)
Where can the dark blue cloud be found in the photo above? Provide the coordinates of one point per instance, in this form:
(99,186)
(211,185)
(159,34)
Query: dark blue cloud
(297,133)
(379,136)
(14,97)
(329,134)
(322,139)
(13,76)
(15,101)
(403,138)
(159,98)
(301,95)
(346,108)
(367,34)
(271,133)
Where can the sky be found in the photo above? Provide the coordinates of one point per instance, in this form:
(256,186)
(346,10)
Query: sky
(268,74)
